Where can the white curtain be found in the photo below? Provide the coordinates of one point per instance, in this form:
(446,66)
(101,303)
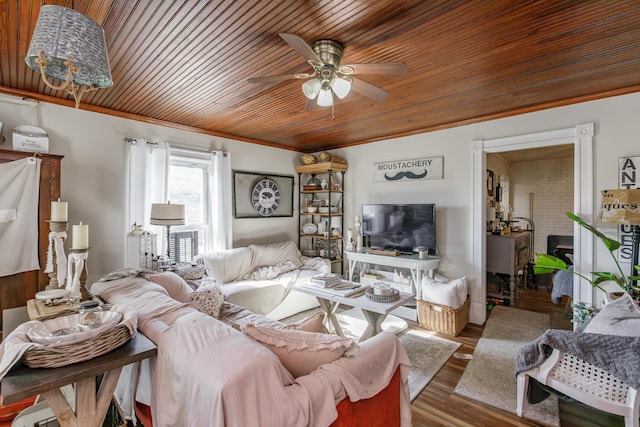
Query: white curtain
(148,171)
(220,233)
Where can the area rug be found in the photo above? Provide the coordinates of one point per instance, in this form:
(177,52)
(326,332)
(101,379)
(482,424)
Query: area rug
(490,376)
(427,352)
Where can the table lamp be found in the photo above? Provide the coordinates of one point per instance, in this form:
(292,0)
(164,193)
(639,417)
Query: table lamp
(623,207)
(167,214)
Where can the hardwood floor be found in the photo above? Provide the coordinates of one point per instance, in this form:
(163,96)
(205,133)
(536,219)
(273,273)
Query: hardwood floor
(438,406)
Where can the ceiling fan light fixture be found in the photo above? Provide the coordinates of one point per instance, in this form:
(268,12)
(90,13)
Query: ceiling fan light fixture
(325,97)
(311,88)
(340,86)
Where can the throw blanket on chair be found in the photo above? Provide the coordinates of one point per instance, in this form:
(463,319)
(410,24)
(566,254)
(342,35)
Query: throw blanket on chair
(618,355)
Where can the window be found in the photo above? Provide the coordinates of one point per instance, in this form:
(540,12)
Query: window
(188,185)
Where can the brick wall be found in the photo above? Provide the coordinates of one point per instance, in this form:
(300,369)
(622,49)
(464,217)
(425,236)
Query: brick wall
(542,190)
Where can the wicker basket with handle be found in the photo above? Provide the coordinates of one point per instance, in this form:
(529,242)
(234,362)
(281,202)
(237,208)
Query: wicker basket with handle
(443,319)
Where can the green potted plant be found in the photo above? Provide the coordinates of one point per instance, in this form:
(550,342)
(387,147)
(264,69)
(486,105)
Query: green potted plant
(548,263)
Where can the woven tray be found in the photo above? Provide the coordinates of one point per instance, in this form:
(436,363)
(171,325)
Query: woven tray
(54,357)
(394,296)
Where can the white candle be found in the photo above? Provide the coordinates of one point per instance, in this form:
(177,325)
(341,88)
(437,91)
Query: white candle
(350,235)
(80,236)
(59,211)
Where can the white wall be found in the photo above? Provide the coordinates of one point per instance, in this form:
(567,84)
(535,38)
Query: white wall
(93,171)
(93,174)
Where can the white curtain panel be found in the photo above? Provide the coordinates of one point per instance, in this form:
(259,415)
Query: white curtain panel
(219,233)
(148,171)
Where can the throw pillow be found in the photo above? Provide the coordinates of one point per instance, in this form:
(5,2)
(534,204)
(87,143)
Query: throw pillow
(301,352)
(268,272)
(448,293)
(314,323)
(229,265)
(209,298)
(620,317)
(275,253)
(175,285)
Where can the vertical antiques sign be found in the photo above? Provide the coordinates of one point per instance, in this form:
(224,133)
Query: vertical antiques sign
(628,178)
(408,170)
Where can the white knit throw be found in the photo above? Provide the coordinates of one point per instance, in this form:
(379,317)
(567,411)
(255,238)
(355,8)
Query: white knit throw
(56,243)
(74,269)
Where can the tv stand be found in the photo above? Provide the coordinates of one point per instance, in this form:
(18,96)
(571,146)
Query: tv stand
(412,262)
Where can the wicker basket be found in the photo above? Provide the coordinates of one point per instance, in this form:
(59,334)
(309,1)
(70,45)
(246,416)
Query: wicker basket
(54,357)
(443,319)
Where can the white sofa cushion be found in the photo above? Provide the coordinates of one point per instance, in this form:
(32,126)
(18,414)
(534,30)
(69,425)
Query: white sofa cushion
(275,253)
(267,272)
(229,265)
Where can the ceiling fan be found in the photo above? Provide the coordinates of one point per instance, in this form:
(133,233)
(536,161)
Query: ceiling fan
(329,77)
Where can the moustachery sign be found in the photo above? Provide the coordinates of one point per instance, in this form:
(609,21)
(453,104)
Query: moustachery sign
(408,170)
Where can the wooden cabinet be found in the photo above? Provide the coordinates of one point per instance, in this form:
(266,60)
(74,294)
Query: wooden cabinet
(507,255)
(320,213)
(17,289)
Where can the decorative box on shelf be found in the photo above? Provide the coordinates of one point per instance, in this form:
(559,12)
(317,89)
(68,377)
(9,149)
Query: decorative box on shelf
(443,319)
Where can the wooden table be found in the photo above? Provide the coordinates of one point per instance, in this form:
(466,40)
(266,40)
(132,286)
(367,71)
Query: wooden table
(374,312)
(91,406)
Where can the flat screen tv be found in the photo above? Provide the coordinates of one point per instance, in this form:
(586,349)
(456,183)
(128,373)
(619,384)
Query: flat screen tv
(403,227)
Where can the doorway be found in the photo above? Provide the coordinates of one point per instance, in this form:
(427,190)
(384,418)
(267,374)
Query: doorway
(581,138)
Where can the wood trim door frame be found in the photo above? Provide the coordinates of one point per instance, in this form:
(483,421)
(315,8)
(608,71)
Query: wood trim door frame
(581,136)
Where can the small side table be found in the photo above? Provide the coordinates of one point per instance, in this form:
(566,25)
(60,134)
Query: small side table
(91,406)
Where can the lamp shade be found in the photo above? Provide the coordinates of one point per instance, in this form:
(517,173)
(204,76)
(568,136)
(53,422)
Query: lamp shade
(167,214)
(620,207)
(340,86)
(62,33)
(311,88)
(325,98)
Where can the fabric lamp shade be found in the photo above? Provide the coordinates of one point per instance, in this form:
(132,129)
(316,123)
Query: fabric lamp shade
(620,207)
(167,214)
(62,33)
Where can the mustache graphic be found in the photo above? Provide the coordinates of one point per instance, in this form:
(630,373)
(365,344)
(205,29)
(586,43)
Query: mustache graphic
(407,174)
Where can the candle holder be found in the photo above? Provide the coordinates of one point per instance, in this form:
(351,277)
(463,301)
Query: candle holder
(77,275)
(56,258)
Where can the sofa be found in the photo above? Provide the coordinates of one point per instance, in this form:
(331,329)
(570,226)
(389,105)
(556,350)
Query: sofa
(215,367)
(263,278)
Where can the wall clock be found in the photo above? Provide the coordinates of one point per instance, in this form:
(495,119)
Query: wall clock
(255,195)
(265,197)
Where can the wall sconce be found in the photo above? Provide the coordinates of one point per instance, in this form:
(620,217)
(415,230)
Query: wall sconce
(69,46)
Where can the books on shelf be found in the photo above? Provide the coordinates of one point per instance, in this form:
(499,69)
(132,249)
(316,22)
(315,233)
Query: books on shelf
(326,280)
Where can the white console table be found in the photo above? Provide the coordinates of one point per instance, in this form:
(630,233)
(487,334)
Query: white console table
(412,262)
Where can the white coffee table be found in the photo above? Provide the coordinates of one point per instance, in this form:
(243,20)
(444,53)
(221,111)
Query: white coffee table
(374,312)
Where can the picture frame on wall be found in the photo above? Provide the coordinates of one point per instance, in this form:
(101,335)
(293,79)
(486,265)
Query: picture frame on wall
(262,195)
(490,178)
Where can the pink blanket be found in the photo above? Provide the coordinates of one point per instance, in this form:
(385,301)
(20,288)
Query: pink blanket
(209,374)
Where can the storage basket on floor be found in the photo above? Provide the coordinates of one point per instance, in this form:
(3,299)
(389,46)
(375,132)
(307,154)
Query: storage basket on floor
(443,319)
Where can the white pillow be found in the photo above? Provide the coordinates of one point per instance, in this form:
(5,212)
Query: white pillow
(175,285)
(275,253)
(620,317)
(301,352)
(229,265)
(451,293)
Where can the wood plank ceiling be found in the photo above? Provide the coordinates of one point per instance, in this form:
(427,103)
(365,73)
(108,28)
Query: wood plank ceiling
(185,63)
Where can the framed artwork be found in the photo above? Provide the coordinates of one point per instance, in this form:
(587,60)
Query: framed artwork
(489,183)
(261,195)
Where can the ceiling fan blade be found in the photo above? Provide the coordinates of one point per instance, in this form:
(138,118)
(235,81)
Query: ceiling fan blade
(368,90)
(280,78)
(378,68)
(311,105)
(301,47)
